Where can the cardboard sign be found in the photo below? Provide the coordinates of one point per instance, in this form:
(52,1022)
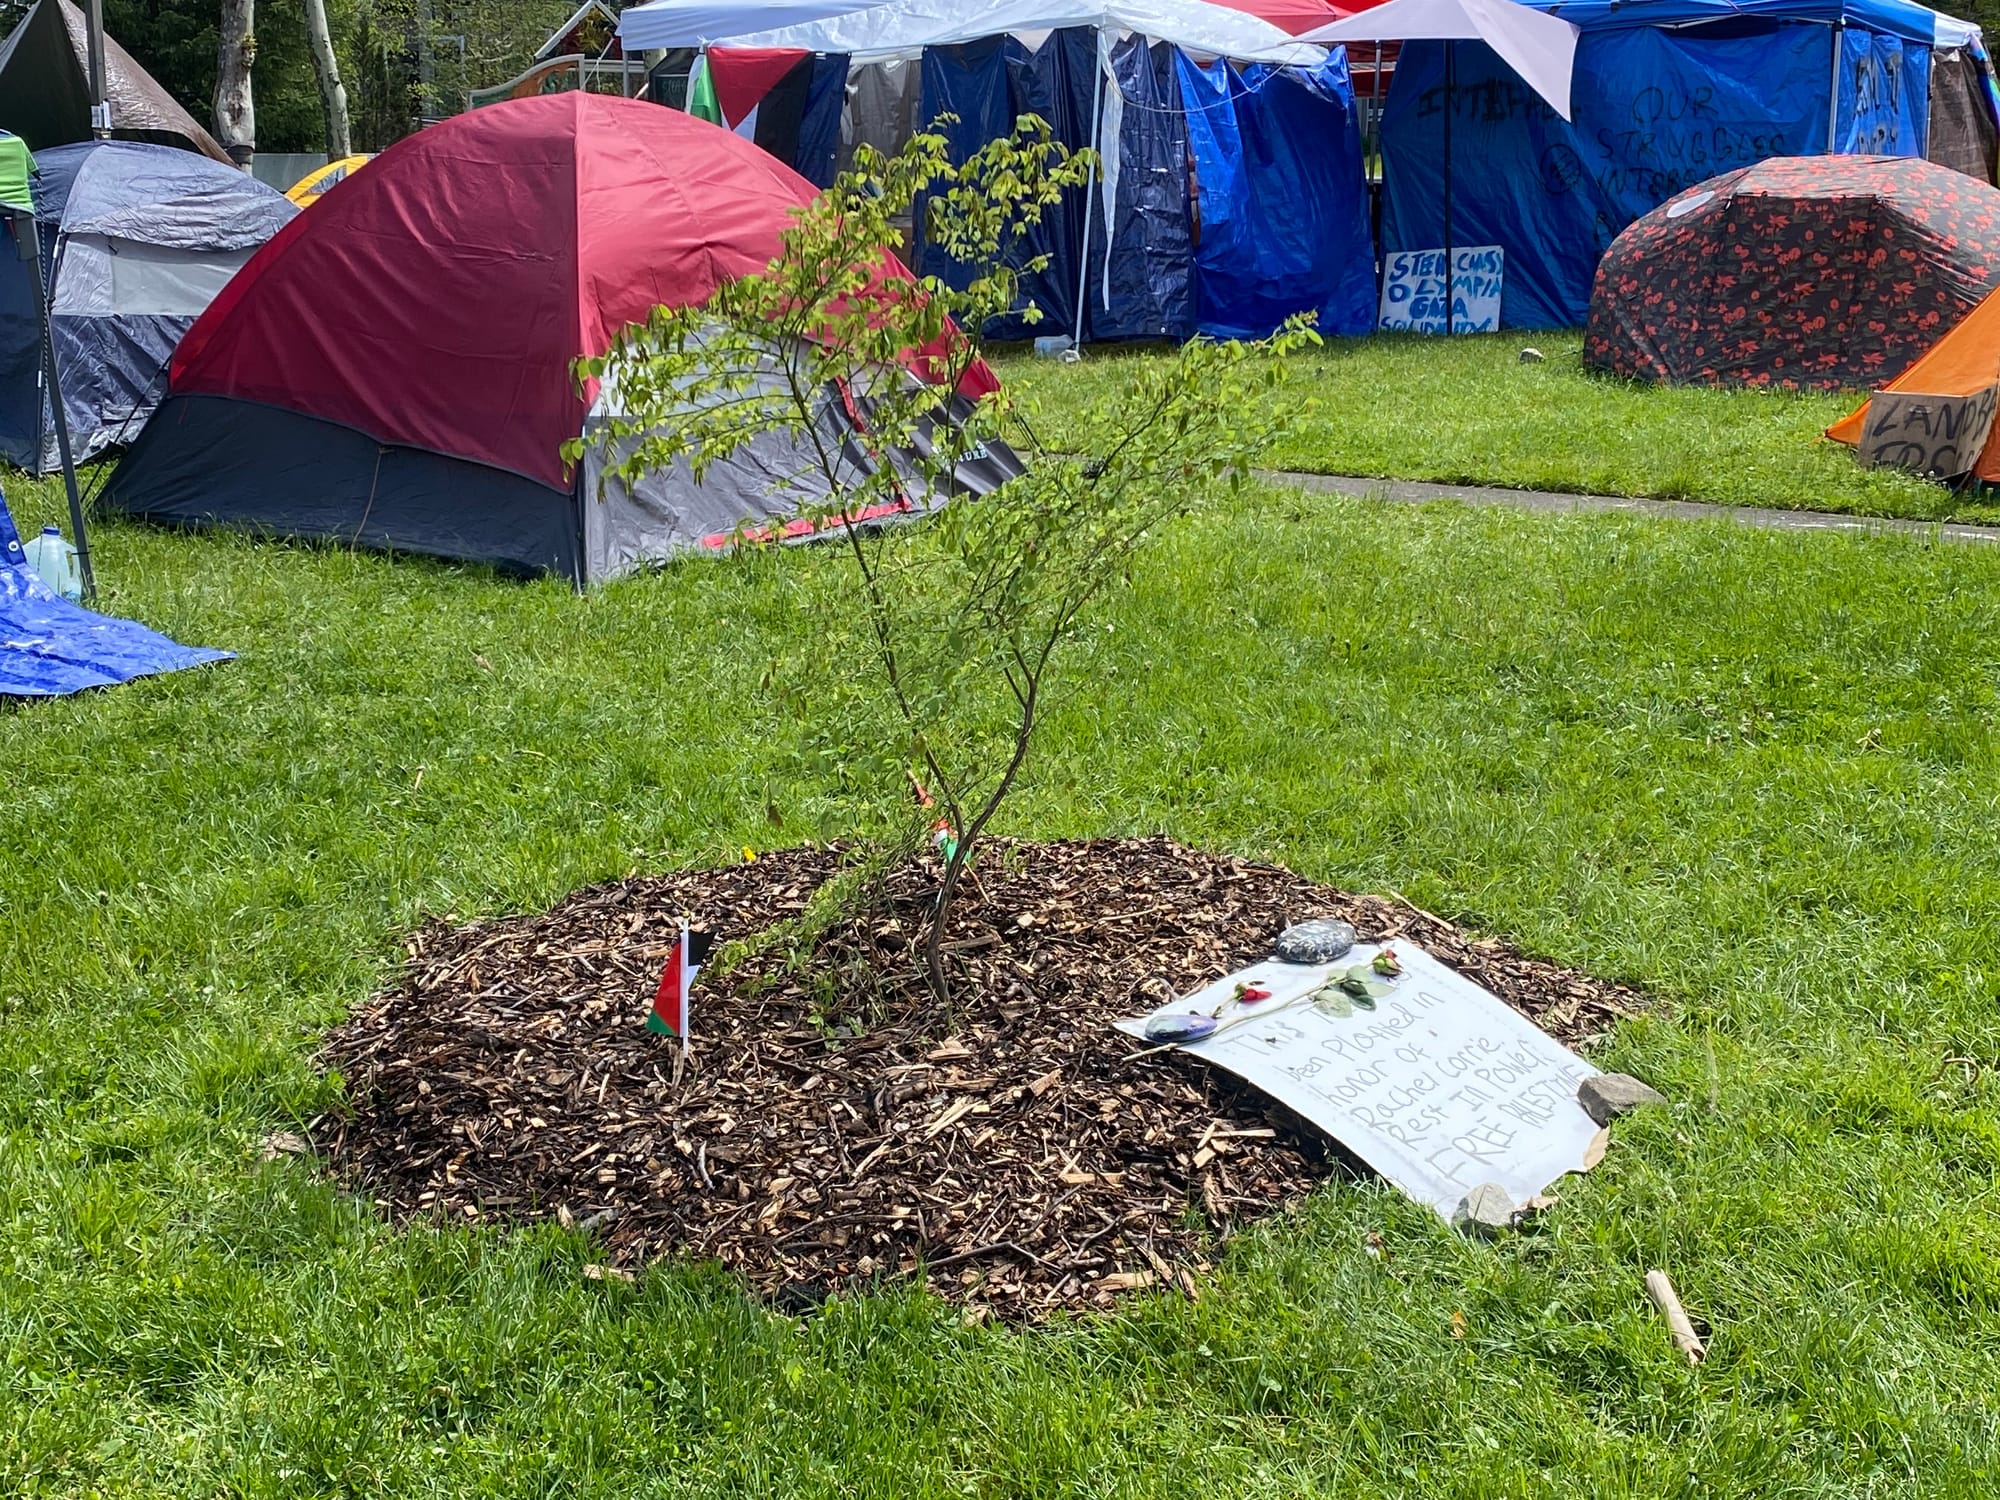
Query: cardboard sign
(1413,289)
(1939,437)
(1440,1088)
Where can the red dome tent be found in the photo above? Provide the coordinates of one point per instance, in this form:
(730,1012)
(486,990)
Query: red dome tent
(394,368)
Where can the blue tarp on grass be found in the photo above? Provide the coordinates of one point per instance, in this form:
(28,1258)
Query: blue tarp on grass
(49,646)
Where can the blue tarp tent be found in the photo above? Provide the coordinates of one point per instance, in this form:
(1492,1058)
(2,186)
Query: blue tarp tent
(1666,93)
(136,240)
(49,646)
(1232,194)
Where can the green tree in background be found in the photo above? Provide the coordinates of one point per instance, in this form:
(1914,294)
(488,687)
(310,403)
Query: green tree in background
(387,51)
(175,41)
(451,46)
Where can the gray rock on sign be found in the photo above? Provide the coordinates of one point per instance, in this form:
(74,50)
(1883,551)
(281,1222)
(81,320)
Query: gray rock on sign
(1608,1095)
(1319,941)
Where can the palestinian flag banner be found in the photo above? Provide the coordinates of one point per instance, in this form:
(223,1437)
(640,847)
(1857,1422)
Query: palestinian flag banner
(669,1016)
(781,99)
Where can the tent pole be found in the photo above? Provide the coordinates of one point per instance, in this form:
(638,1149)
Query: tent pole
(31,234)
(1375,92)
(93,26)
(1381,168)
(1450,89)
(1833,95)
(1096,175)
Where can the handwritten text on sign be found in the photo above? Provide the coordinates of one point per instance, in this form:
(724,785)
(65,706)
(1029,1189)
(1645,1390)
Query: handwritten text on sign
(1941,436)
(1440,1088)
(1413,291)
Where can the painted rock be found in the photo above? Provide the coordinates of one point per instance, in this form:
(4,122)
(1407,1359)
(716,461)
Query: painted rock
(1179,1026)
(1319,941)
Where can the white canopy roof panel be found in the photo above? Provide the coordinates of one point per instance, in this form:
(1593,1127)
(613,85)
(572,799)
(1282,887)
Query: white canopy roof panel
(1952,32)
(691,23)
(1540,47)
(904,28)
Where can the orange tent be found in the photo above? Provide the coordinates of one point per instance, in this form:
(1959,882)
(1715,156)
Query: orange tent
(1962,363)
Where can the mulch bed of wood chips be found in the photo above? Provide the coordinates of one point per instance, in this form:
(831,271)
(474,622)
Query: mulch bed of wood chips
(836,1126)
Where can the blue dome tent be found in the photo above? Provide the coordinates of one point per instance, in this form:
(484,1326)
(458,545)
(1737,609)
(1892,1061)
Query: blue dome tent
(1665,94)
(136,240)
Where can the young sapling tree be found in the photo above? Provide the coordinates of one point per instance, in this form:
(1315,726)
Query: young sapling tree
(879,395)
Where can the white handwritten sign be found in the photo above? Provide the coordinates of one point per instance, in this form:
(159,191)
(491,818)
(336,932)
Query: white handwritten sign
(1940,436)
(1413,289)
(1440,1088)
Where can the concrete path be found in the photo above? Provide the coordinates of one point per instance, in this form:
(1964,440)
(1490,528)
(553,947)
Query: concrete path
(1410,492)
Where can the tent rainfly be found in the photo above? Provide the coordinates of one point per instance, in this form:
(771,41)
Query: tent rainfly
(45,88)
(1800,273)
(394,369)
(139,240)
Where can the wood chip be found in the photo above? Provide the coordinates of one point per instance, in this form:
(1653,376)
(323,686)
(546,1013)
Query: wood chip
(508,1076)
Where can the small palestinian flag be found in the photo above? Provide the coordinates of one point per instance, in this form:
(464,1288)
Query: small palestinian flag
(786,101)
(670,1005)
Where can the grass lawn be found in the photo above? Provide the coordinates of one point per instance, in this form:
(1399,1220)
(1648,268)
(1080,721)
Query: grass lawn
(1752,772)
(1466,411)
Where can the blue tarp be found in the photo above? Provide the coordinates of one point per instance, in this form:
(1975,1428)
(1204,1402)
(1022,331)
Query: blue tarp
(49,646)
(1150,292)
(819,127)
(1885,95)
(989,84)
(1284,213)
(174,225)
(1914,23)
(1654,112)
(1277,160)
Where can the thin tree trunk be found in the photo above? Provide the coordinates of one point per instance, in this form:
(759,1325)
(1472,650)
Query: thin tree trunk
(235,113)
(332,94)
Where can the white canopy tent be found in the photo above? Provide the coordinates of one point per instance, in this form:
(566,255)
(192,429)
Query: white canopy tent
(1539,47)
(695,23)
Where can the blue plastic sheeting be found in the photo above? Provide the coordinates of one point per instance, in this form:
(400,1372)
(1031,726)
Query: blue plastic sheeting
(1150,292)
(1284,214)
(819,128)
(1654,112)
(1914,23)
(1521,179)
(49,646)
(988,84)
(1659,112)
(1277,153)
(1885,96)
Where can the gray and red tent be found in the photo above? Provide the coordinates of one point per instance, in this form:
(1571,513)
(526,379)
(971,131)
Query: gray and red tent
(394,369)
